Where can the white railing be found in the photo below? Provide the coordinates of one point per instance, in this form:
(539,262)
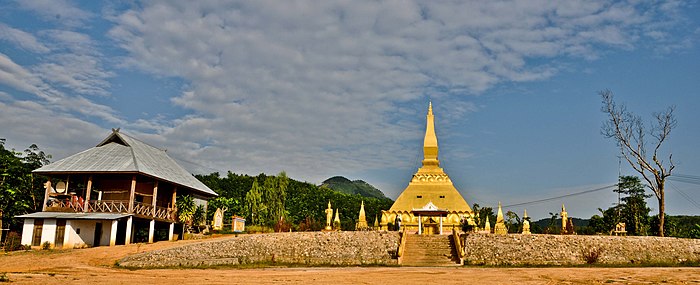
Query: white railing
(108,206)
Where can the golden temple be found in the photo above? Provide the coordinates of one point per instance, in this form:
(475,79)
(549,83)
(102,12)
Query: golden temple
(430,202)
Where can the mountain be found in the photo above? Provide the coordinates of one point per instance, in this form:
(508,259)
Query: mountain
(344,185)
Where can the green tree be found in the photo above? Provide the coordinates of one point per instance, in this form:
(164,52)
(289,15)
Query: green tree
(198,216)
(633,208)
(20,191)
(254,207)
(482,214)
(552,226)
(185,209)
(513,222)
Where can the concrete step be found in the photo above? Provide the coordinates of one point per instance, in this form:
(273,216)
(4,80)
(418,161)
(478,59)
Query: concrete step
(428,250)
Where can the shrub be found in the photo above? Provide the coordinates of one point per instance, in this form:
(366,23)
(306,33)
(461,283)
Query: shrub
(4,278)
(46,245)
(13,241)
(591,255)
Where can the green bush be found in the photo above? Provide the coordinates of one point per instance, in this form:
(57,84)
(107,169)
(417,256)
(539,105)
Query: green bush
(46,245)
(4,278)
(13,241)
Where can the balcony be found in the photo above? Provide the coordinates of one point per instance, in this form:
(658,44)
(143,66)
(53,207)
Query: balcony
(140,210)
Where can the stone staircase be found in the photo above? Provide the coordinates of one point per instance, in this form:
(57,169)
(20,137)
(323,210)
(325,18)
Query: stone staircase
(429,250)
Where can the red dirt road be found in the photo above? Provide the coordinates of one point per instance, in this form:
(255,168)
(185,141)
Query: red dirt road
(96,265)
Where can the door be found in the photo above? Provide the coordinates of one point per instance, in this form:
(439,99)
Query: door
(60,233)
(98,234)
(38,228)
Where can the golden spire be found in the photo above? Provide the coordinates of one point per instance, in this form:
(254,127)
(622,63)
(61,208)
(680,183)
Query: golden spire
(430,143)
(500,228)
(499,216)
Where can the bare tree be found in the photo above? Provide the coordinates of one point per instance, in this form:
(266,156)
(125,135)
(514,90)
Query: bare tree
(629,133)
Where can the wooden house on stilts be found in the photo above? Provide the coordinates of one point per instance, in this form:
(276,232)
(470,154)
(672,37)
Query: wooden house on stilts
(119,192)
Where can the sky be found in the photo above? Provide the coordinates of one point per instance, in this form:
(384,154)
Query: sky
(326,88)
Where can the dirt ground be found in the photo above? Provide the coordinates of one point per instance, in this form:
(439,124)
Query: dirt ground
(96,265)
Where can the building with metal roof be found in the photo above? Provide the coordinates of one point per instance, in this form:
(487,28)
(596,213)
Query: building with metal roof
(105,194)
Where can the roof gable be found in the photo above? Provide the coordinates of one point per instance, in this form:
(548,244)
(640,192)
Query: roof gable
(120,153)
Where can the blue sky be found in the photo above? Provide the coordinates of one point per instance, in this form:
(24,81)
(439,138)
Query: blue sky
(341,88)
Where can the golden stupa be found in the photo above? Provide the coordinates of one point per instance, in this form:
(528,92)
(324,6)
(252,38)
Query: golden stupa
(430,202)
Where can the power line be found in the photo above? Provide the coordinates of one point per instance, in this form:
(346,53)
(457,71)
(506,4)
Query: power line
(685,180)
(562,196)
(686,176)
(696,204)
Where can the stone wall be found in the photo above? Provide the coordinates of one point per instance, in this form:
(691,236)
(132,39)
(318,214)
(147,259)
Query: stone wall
(519,250)
(305,248)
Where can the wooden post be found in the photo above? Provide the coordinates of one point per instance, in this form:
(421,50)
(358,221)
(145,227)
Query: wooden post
(132,193)
(174,195)
(155,195)
(46,195)
(88,189)
(174,199)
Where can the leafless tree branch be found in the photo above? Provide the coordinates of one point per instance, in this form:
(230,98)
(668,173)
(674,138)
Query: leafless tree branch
(629,133)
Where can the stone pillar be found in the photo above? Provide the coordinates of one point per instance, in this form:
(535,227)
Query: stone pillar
(113,233)
(441,224)
(69,240)
(420,225)
(151,230)
(127,238)
(171,231)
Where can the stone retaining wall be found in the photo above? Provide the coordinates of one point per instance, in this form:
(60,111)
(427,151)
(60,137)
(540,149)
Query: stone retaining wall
(306,248)
(379,248)
(516,249)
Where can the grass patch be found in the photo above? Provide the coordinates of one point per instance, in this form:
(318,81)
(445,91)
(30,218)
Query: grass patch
(4,278)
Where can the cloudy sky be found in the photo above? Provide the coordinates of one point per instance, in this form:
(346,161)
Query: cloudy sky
(329,88)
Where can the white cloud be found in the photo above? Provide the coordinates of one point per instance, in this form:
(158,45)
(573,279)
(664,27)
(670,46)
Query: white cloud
(57,133)
(62,12)
(21,38)
(317,88)
(19,78)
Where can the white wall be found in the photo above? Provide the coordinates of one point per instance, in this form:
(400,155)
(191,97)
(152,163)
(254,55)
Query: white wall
(27,231)
(87,233)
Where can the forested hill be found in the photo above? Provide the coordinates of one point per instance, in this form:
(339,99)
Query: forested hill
(359,187)
(302,203)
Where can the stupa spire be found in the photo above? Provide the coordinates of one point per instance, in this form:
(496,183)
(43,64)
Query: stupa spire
(500,228)
(430,143)
(361,219)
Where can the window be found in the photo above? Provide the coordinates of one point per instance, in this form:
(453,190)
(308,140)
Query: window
(419,196)
(442,196)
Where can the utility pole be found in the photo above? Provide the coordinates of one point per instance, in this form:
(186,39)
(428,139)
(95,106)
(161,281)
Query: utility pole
(619,181)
